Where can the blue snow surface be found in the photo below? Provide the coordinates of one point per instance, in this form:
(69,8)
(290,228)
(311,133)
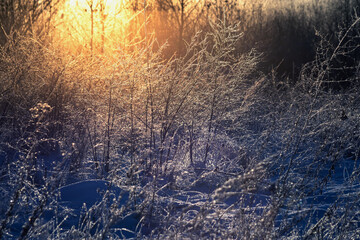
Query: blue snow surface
(81,198)
(339,191)
(88,192)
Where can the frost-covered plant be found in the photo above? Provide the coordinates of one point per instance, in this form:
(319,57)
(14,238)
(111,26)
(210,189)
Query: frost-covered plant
(300,174)
(198,146)
(189,115)
(29,183)
(310,158)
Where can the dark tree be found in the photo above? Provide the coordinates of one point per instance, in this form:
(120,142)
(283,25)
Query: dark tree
(20,16)
(184,13)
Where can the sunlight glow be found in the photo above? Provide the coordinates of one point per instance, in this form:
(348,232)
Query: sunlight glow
(94,25)
(110,7)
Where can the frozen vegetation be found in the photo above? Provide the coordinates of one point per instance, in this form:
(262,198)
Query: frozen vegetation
(199,146)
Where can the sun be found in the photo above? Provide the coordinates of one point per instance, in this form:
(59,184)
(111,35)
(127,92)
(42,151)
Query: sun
(93,25)
(109,7)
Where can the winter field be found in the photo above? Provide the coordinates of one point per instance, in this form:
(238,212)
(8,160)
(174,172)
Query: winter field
(205,144)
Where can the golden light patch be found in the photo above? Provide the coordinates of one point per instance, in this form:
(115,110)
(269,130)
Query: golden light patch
(95,25)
